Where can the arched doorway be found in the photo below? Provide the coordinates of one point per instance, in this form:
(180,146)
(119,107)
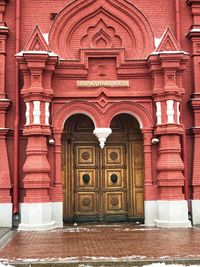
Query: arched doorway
(102,184)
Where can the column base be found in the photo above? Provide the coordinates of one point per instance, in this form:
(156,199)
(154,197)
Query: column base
(173,214)
(167,213)
(6,214)
(195,205)
(57,213)
(40,216)
(151,212)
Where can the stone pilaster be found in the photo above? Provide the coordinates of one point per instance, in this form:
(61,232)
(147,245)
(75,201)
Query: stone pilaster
(150,189)
(56,191)
(37,69)
(5,182)
(37,100)
(166,69)
(194,35)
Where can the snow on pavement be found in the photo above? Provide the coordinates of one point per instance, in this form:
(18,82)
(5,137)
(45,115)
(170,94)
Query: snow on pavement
(150,265)
(169,265)
(3,265)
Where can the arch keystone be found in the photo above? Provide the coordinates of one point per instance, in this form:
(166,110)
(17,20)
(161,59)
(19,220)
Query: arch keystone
(102,134)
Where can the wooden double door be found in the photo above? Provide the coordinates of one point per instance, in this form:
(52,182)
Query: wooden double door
(102,184)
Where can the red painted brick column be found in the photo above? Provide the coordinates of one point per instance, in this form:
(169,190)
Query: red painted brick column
(37,95)
(166,69)
(5,183)
(194,35)
(196,165)
(150,189)
(5,179)
(170,179)
(56,191)
(36,169)
(37,68)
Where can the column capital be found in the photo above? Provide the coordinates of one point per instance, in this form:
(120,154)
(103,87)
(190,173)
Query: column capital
(166,69)
(37,68)
(147,134)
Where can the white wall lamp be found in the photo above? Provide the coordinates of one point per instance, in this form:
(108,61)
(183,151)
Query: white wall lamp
(51,141)
(155,141)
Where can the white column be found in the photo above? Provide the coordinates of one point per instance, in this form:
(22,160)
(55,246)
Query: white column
(27,114)
(158,113)
(178,112)
(170,111)
(36,112)
(47,113)
(102,134)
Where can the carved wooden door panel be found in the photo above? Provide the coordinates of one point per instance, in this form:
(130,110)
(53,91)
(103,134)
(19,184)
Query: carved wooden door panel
(114,181)
(86,181)
(138,178)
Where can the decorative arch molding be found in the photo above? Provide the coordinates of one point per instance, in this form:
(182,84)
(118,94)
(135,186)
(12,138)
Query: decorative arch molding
(99,119)
(107,23)
(72,108)
(136,110)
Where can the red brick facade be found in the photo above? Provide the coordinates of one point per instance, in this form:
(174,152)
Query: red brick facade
(100,58)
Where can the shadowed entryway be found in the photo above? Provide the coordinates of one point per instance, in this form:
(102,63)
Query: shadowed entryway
(102,184)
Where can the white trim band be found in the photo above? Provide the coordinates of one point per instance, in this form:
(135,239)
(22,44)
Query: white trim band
(36,112)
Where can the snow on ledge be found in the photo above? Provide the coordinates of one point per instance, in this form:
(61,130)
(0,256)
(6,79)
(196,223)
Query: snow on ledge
(4,28)
(195,30)
(5,100)
(39,52)
(46,37)
(157,41)
(170,52)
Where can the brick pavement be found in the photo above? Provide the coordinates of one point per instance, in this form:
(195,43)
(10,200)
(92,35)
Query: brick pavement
(124,242)
(3,230)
